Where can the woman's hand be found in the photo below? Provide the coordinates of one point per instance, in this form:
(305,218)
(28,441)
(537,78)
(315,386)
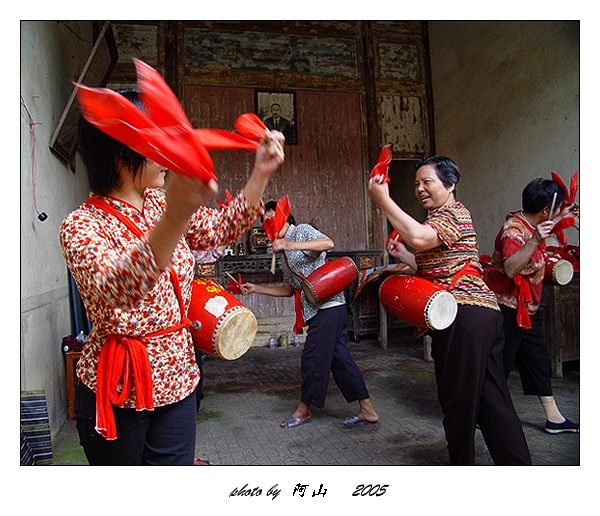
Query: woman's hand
(570,210)
(269,157)
(248,288)
(379,191)
(185,195)
(270,154)
(280,244)
(397,249)
(543,230)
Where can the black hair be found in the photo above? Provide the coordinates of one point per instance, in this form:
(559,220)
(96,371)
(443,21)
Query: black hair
(272,205)
(445,168)
(101,153)
(538,194)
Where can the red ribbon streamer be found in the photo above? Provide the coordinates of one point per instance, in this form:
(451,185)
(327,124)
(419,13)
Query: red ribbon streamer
(274,225)
(381,168)
(163,132)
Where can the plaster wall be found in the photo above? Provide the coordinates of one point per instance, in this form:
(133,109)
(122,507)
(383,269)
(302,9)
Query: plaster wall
(51,55)
(506,109)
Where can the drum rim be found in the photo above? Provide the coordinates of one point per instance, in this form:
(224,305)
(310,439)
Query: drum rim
(430,301)
(555,272)
(225,318)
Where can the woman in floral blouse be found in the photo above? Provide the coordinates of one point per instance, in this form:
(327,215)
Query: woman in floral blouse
(129,249)
(470,378)
(516,276)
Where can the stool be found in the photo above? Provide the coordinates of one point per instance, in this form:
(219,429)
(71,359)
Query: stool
(71,358)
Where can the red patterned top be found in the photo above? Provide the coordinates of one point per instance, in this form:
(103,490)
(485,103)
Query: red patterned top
(126,293)
(515,232)
(454,226)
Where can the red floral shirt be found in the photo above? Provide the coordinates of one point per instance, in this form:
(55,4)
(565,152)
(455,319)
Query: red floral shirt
(514,234)
(126,293)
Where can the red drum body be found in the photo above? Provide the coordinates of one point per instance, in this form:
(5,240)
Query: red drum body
(226,327)
(558,271)
(330,279)
(418,301)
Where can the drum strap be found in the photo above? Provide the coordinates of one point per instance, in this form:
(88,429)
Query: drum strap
(299,324)
(122,355)
(466,270)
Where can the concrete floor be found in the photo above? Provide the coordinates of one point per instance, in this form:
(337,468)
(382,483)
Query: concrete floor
(238,423)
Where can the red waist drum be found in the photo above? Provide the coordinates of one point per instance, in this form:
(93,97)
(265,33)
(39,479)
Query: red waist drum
(330,279)
(418,301)
(558,271)
(227,328)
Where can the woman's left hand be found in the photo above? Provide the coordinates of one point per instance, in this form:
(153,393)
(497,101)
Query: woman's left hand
(378,189)
(281,244)
(270,154)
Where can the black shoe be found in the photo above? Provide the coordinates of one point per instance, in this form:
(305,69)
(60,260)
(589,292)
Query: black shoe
(561,428)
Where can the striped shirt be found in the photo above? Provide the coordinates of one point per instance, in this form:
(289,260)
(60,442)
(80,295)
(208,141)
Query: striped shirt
(454,227)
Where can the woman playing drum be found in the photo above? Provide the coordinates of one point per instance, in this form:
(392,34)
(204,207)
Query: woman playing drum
(516,276)
(471,385)
(325,348)
(136,291)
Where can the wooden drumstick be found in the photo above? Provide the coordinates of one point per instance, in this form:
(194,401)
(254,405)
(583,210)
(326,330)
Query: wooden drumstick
(552,206)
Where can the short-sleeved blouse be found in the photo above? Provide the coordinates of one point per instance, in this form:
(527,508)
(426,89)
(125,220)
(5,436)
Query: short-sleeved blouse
(454,227)
(126,293)
(515,232)
(303,263)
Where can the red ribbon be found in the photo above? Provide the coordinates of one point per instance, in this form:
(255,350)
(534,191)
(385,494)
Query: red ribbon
(524,296)
(120,357)
(274,225)
(163,132)
(299,323)
(383,163)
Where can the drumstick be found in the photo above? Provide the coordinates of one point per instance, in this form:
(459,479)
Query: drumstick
(552,206)
(273,262)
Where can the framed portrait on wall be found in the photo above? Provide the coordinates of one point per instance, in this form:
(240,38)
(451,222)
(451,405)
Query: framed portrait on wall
(277,109)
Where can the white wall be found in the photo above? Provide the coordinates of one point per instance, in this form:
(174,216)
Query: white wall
(52,53)
(506,109)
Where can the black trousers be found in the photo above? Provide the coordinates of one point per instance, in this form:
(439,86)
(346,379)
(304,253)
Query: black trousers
(325,350)
(472,389)
(165,436)
(527,350)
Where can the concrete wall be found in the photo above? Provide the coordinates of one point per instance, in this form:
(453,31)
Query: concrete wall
(506,109)
(52,53)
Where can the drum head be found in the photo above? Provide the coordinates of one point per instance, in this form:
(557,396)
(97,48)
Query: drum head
(562,272)
(441,310)
(234,333)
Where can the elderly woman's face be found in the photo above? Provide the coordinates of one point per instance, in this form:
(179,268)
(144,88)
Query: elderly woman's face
(430,190)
